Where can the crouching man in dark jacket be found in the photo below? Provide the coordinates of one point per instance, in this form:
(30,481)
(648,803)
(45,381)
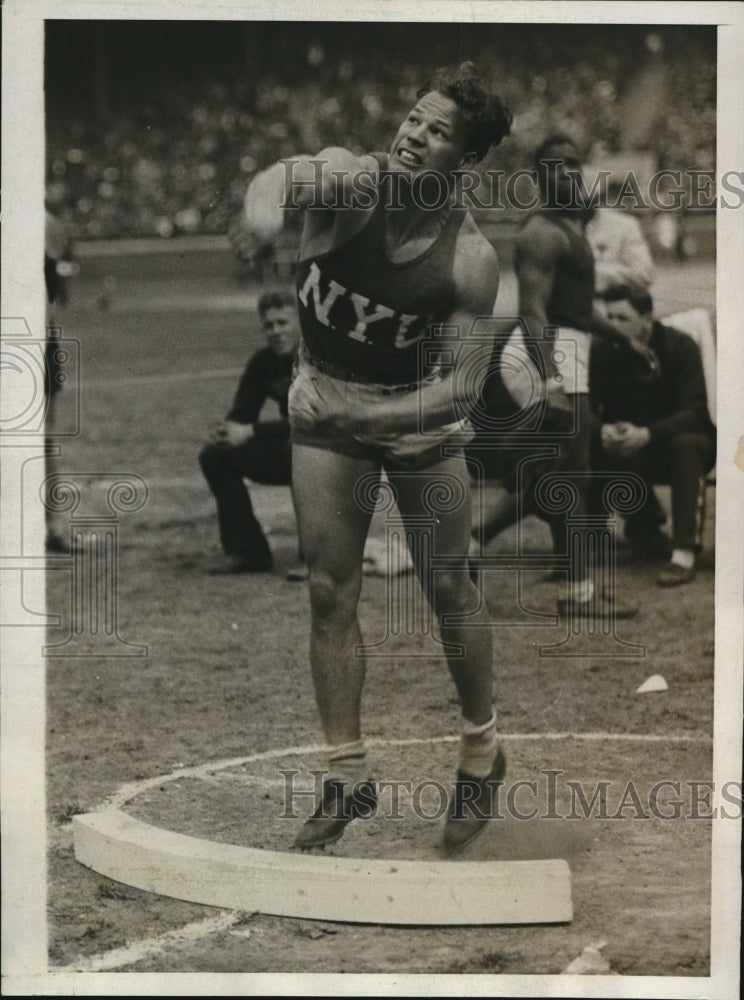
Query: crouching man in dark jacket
(656,424)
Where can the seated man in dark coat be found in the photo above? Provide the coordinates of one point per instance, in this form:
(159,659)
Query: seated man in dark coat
(242,447)
(656,425)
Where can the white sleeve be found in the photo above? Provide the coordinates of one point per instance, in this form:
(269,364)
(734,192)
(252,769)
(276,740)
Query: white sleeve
(631,261)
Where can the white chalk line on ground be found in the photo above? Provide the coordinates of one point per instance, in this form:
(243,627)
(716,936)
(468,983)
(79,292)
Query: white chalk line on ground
(148,947)
(131,790)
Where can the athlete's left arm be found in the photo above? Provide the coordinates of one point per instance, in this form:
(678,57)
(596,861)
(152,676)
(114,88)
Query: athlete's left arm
(463,343)
(467,333)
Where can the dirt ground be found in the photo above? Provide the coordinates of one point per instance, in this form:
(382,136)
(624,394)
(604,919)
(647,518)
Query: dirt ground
(226,676)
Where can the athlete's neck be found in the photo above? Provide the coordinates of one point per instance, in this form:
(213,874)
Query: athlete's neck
(408,234)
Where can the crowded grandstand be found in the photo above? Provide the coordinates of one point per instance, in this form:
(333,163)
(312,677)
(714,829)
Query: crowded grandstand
(166,146)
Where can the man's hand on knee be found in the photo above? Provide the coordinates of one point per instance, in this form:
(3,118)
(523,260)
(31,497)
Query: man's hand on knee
(229,432)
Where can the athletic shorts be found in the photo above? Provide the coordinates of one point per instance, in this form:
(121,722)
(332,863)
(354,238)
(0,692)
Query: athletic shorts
(521,377)
(312,390)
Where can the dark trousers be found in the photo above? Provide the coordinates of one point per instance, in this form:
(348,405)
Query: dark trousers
(264,459)
(681,463)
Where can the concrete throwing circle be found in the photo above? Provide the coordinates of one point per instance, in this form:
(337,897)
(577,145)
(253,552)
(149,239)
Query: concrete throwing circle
(226,805)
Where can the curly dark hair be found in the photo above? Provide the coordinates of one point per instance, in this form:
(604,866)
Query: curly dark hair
(485,117)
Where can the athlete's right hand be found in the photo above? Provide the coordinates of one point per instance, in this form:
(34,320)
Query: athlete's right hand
(263,206)
(247,247)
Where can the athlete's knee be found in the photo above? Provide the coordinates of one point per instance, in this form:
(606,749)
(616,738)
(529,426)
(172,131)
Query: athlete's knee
(451,591)
(330,596)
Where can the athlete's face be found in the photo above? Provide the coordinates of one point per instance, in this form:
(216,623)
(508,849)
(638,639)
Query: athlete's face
(430,138)
(627,319)
(281,329)
(560,177)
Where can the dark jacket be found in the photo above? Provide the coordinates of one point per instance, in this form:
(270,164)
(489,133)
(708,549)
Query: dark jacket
(668,403)
(266,376)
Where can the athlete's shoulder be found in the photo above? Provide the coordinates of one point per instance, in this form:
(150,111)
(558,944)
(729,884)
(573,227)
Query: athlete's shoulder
(476,262)
(382,160)
(476,269)
(539,223)
(473,245)
(348,188)
(336,158)
(538,235)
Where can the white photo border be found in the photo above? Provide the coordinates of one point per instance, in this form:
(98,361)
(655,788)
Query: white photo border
(25,968)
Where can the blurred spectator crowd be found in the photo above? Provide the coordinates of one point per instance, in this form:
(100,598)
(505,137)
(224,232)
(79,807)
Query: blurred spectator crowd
(178,161)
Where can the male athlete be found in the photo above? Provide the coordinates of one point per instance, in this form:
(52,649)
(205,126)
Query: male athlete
(380,270)
(555,273)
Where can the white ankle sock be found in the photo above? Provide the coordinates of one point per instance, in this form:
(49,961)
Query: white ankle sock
(478,745)
(683,557)
(347,762)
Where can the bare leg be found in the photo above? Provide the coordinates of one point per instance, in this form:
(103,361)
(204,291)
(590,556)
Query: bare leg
(499,514)
(451,591)
(333,529)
